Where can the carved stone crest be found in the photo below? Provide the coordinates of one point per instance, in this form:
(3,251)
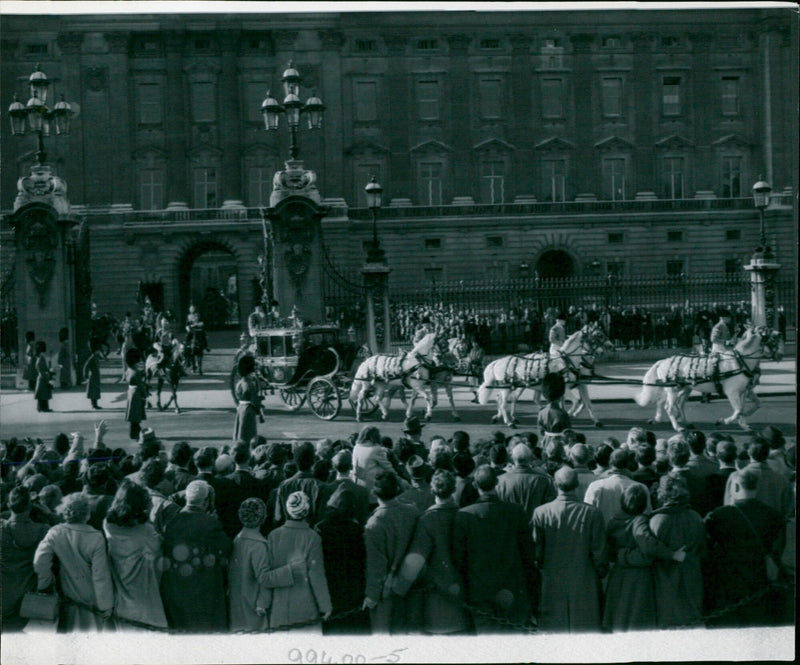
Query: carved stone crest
(43,186)
(40,242)
(298,260)
(292,181)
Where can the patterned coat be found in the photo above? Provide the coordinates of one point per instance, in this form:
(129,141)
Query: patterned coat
(137,396)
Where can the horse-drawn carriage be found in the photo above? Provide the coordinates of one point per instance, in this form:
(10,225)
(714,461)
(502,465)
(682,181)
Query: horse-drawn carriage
(308,364)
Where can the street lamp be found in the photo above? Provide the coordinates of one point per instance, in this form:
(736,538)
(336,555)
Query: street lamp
(293,107)
(38,115)
(373,190)
(761,192)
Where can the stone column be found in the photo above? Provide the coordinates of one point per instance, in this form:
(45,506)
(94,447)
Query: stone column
(763,298)
(376,279)
(44,281)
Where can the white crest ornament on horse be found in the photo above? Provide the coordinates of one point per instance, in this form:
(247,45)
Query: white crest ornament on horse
(735,374)
(420,370)
(509,374)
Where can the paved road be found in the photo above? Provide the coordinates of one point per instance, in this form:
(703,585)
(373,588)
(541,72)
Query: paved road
(208,413)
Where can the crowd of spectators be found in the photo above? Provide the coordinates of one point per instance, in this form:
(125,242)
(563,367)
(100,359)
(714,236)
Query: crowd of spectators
(431,535)
(509,329)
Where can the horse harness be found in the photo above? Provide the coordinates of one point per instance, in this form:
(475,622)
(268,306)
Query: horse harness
(705,368)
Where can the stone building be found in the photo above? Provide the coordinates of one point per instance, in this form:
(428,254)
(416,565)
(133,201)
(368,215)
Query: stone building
(507,143)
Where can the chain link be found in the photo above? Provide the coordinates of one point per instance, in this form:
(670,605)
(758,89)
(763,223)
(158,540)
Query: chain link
(528,628)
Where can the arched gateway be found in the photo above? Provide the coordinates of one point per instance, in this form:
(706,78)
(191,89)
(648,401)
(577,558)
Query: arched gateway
(208,277)
(555,264)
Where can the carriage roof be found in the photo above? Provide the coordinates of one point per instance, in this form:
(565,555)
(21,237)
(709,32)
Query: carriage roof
(291,331)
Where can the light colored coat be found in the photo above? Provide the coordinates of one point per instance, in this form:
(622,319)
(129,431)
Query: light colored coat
(84,574)
(308,599)
(368,462)
(773,489)
(250,581)
(606,493)
(134,554)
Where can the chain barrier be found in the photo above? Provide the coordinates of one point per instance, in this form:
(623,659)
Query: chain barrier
(528,627)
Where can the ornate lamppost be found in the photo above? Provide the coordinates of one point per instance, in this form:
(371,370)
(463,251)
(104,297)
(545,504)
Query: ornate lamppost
(293,108)
(376,275)
(763,268)
(294,253)
(52,286)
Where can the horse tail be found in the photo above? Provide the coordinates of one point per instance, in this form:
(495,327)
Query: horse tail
(362,375)
(485,389)
(649,392)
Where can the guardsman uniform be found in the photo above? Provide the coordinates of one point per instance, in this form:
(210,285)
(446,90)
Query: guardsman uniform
(557,337)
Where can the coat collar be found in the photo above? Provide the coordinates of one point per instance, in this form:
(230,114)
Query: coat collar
(296,524)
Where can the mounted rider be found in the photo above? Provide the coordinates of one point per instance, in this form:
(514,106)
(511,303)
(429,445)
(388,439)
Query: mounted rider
(257,320)
(196,339)
(424,328)
(721,339)
(165,338)
(558,334)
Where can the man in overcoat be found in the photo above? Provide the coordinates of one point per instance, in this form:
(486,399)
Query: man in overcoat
(493,552)
(571,553)
(523,485)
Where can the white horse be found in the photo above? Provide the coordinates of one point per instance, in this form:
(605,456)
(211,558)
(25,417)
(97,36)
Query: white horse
(509,373)
(670,381)
(420,370)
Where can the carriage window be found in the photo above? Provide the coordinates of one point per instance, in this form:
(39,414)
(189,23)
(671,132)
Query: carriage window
(277,347)
(263,346)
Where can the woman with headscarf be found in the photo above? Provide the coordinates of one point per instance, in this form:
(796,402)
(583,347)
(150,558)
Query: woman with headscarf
(345,559)
(250,580)
(249,406)
(678,585)
(84,578)
(134,552)
(308,600)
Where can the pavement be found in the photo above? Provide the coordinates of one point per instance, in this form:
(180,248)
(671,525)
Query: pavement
(208,409)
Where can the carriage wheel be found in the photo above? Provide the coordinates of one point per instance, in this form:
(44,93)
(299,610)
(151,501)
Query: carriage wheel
(324,399)
(292,397)
(370,403)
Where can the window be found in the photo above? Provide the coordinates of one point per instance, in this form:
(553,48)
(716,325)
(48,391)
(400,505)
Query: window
(552,98)
(204,108)
(149,104)
(427,44)
(428,99)
(205,188)
(672,177)
(259,185)
(731,177)
(730,95)
(365,45)
(612,97)
(151,189)
(490,43)
(616,268)
(495,272)
(554,176)
(733,234)
(612,42)
(615,238)
(551,42)
(255,92)
(491,100)
(669,41)
(674,236)
(494,242)
(671,95)
(366,101)
(433,243)
(732,266)
(36,49)
(430,180)
(147,45)
(614,178)
(675,267)
(493,181)
(433,275)
(202,44)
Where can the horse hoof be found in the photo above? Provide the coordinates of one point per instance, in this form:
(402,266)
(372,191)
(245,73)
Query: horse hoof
(428,418)
(690,426)
(494,420)
(512,425)
(177,411)
(651,421)
(598,424)
(718,421)
(457,419)
(514,421)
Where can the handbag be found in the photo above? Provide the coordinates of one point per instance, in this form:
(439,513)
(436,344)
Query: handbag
(39,606)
